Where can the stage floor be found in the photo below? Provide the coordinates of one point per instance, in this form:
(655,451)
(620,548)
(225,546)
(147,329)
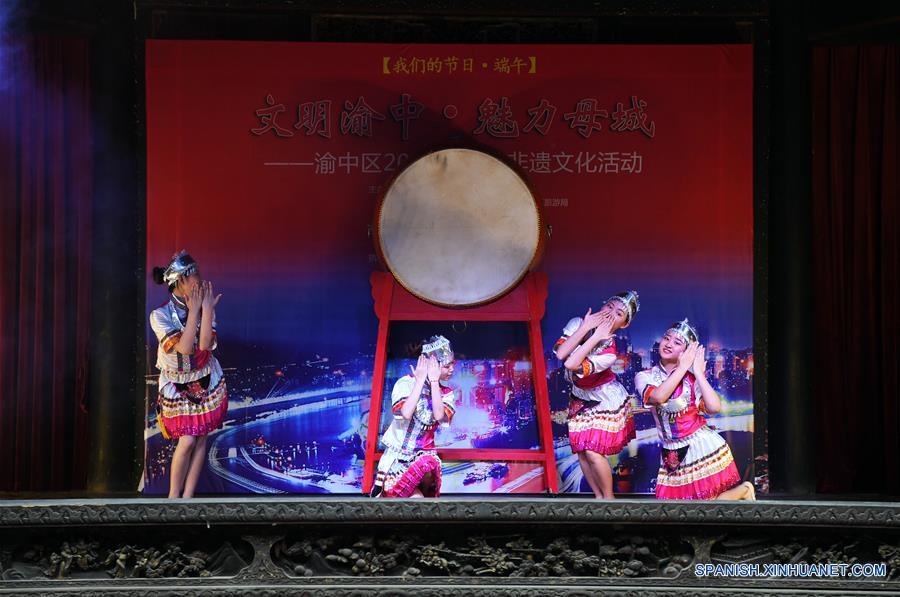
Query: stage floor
(451,545)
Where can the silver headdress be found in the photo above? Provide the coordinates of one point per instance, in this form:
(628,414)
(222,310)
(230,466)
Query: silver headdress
(438,347)
(685,330)
(630,299)
(182,265)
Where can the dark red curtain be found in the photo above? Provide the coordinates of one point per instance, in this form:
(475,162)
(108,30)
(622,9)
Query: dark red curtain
(45,242)
(855,268)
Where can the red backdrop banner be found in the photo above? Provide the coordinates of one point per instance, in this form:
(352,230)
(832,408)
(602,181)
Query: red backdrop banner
(266,160)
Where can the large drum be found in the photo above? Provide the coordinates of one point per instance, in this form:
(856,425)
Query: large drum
(458,228)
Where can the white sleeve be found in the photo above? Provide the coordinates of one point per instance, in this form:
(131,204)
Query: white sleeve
(602,362)
(215,336)
(641,381)
(449,406)
(167,333)
(402,389)
(572,326)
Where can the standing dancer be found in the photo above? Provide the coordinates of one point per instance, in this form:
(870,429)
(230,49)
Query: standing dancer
(193,398)
(420,401)
(600,418)
(696,463)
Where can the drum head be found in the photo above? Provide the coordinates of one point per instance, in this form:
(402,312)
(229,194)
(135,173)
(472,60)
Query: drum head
(458,228)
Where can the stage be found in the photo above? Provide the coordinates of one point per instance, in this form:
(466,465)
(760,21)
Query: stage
(348,179)
(474,545)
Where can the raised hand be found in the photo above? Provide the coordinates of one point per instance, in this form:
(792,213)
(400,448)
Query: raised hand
(592,320)
(434,369)
(686,359)
(210,299)
(421,369)
(193,299)
(604,326)
(699,364)
(203,293)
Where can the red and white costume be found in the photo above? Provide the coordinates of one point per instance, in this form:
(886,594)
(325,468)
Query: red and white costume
(410,452)
(193,398)
(600,415)
(696,462)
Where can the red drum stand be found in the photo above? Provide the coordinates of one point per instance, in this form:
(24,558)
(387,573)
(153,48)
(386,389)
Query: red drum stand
(524,303)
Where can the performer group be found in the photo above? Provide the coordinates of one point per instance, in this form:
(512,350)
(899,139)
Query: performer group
(695,461)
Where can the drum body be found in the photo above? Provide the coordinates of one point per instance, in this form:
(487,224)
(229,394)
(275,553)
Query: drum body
(458,228)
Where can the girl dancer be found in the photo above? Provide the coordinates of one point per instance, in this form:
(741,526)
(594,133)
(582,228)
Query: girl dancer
(192,399)
(600,418)
(696,463)
(420,401)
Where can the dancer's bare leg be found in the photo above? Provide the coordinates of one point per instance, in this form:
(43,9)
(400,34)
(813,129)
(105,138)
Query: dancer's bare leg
(180,463)
(428,484)
(744,491)
(602,473)
(588,471)
(198,459)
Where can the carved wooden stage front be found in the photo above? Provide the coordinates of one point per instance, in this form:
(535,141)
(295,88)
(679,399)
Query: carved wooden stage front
(434,547)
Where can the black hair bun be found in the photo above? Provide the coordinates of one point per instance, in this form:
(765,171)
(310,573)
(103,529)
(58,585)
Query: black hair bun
(158,273)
